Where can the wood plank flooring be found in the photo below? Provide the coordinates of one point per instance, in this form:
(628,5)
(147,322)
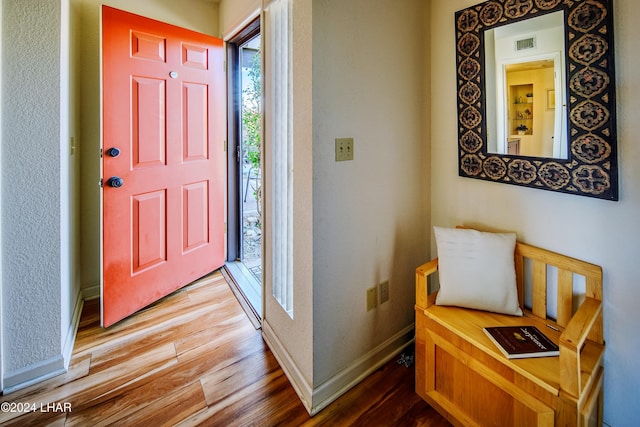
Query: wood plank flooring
(194,358)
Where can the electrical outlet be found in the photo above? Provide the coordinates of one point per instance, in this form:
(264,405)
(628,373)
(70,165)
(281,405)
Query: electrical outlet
(372,298)
(344,149)
(384,291)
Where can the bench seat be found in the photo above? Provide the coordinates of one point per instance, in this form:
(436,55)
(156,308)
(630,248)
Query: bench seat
(463,375)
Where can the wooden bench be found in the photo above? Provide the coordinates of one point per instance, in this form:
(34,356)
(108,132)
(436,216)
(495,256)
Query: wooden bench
(464,376)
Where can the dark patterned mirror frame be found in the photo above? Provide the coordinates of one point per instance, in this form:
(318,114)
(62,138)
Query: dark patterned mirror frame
(591,167)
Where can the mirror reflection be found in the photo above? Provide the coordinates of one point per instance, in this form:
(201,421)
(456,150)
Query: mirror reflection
(573,112)
(525,88)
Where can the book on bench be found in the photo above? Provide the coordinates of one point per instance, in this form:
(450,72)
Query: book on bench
(519,342)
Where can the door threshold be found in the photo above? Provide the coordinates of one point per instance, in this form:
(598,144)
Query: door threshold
(246,289)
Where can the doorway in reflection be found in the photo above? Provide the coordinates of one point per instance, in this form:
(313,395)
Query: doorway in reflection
(529,123)
(524,70)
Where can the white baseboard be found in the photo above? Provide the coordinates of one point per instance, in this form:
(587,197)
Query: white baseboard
(314,400)
(50,368)
(34,374)
(70,339)
(361,368)
(302,387)
(91,291)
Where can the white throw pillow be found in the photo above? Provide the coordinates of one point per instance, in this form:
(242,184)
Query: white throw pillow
(477,270)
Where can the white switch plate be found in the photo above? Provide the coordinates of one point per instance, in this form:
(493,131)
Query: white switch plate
(344,149)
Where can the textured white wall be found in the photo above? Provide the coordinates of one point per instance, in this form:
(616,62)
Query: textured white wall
(370,216)
(1,245)
(358,71)
(602,232)
(70,297)
(295,335)
(31,184)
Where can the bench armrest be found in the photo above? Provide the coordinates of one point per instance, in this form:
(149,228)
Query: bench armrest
(585,323)
(423,299)
(580,325)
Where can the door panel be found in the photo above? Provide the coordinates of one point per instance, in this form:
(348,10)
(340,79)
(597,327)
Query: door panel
(148,230)
(148,106)
(195,215)
(163,107)
(195,136)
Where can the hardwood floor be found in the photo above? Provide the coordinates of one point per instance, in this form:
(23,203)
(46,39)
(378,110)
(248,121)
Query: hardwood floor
(194,358)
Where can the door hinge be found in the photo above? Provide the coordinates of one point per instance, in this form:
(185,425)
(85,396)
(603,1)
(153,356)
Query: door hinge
(225,228)
(100,183)
(225,145)
(101,153)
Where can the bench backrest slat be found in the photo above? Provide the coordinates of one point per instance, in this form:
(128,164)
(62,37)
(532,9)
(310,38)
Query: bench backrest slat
(539,307)
(565,296)
(540,261)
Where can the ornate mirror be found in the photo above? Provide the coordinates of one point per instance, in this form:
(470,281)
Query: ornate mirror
(536,95)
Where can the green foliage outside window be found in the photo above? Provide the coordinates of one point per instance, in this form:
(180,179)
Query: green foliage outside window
(252,125)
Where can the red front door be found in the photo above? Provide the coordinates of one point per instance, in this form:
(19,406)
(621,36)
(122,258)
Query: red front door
(163,186)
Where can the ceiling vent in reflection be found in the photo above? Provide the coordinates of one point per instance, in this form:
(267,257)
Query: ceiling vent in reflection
(524,44)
